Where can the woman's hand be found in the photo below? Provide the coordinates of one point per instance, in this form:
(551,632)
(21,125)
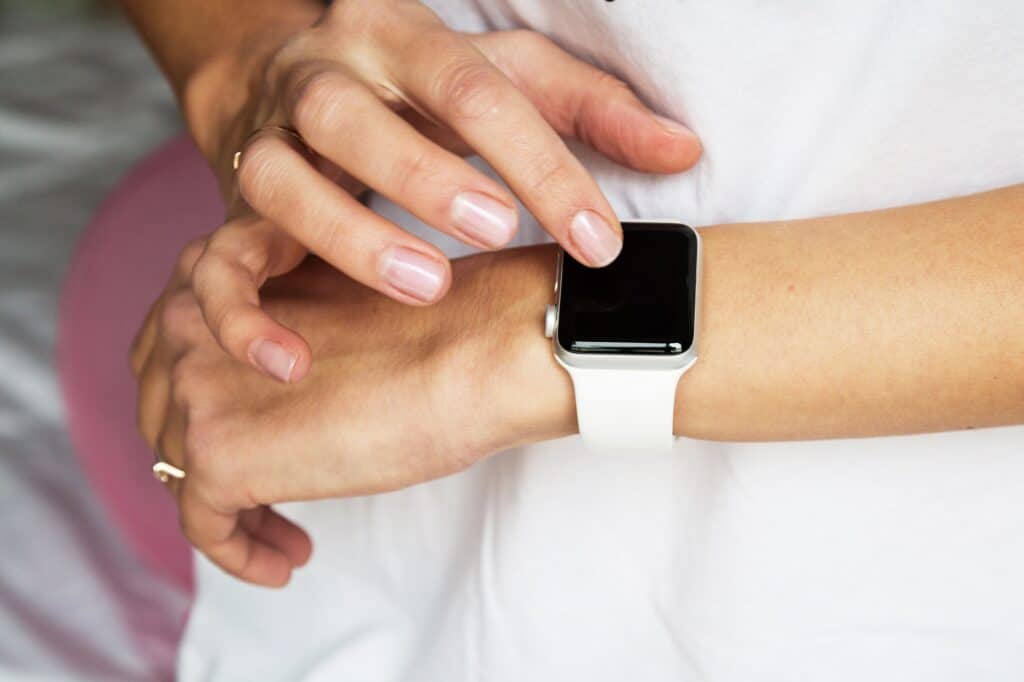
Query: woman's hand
(387,98)
(398,396)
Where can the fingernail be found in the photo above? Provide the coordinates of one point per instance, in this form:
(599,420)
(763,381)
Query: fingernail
(671,126)
(412,273)
(484,219)
(273,358)
(597,240)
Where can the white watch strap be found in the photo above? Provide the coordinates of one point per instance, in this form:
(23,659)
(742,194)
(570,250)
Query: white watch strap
(625,409)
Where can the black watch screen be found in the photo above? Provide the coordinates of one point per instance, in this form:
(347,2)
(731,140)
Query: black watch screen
(641,304)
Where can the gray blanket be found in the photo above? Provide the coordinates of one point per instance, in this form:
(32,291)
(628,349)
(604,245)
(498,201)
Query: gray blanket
(79,103)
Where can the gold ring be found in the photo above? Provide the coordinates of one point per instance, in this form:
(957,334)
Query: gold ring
(164,471)
(291,132)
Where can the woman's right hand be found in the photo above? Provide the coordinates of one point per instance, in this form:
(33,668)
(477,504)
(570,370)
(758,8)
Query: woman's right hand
(397,397)
(387,98)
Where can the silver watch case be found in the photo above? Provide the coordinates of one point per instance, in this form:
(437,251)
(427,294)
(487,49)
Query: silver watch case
(680,362)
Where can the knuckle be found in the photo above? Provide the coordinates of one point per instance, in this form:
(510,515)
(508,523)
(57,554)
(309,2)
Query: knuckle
(187,383)
(182,392)
(179,313)
(200,453)
(358,16)
(191,515)
(205,274)
(605,82)
(528,41)
(546,172)
(254,259)
(279,68)
(214,462)
(237,245)
(317,100)
(370,22)
(190,255)
(198,444)
(258,176)
(412,169)
(469,89)
(589,123)
(231,326)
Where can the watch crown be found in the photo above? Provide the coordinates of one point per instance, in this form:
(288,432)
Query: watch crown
(549,321)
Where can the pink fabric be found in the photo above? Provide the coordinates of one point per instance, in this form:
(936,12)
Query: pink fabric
(121,264)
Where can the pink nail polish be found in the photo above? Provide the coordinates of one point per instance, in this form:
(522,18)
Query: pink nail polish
(594,237)
(273,358)
(483,219)
(412,272)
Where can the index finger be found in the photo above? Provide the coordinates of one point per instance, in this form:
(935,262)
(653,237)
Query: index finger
(447,76)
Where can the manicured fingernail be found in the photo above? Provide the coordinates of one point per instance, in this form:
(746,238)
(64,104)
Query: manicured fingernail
(273,358)
(593,236)
(673,127)
(412,273)
(483,219)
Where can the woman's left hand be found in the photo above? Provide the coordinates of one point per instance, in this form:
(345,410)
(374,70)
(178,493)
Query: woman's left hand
(382,96)
(400,396)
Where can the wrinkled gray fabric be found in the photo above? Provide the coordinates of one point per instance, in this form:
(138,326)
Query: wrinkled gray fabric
(79,103)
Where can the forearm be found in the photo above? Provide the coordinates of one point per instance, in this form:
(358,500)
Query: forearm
(205,47)
(898,321)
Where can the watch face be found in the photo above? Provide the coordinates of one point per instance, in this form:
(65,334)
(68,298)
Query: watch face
(641,304)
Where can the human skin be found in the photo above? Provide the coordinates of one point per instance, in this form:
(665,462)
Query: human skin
(386,98)
(898,321)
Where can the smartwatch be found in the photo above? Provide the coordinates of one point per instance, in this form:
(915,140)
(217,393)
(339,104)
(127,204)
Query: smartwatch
(627,332)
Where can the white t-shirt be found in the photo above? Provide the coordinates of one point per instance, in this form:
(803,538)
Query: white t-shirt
(878,559)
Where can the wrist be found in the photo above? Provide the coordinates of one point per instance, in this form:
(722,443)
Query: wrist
(525,394)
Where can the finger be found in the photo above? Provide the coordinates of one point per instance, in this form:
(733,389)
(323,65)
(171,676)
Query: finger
(179,324)
(581,101)
(449,77)
(143,343)
(279,183)
(154,396)
(226,282)
(225,541)
(346,122)
(145,339)
(171,442)
(154,380)
(440,135)
(274,530)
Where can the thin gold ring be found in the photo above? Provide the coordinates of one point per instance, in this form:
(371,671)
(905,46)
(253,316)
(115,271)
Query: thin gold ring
(292,132)
(164,471)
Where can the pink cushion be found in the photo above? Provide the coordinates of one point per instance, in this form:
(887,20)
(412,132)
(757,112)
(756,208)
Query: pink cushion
(121,264)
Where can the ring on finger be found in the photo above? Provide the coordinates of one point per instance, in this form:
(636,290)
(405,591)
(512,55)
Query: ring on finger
(164,471)
(291,132)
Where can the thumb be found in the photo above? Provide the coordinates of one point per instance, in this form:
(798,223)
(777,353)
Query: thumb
(581,101)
